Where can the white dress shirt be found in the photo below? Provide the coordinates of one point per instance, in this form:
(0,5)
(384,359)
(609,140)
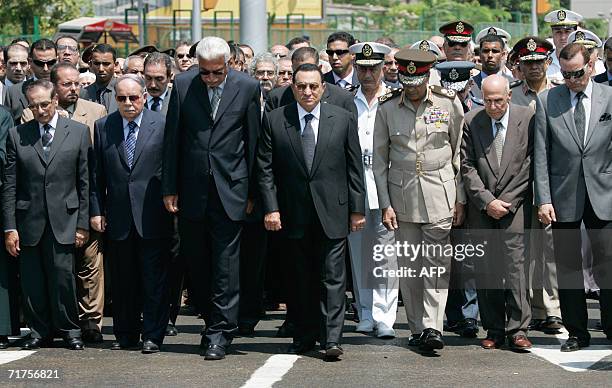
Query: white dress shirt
(52,123)
(504,121)
(162,98)
(586,102)
(126,127)
(348,79)
(314,122)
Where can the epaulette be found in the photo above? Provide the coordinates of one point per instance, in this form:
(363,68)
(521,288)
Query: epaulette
(443,91)
(391,94)
(352,88)
(516,83)
(556,81)
(477,101)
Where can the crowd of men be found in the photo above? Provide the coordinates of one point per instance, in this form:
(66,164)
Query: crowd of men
(298,174)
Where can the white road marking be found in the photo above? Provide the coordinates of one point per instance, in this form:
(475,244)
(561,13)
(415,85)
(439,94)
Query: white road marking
(14,355)
(272,371)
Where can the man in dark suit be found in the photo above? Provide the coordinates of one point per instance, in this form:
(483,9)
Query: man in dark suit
(493,54)
(573,163)
(496,157)
(127,205)
(311,183)
(212,127)
(342,74)
(606,76)
(102,64)
(45,207)
(158,74)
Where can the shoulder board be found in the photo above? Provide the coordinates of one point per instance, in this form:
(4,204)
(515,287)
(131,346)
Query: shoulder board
(516,83)
(477,101)
(557,82)
(443,91)
(352,88)
(391,94)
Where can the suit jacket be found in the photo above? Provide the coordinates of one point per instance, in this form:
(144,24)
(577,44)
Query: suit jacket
(566,169)
(334,187)
(165,103)
(602,78)
(333,94)
(85,112)
(16,101)
(196,147)
(55,189)
(109,101)
(123,195)
(483,178)
(329,78)
(6,122)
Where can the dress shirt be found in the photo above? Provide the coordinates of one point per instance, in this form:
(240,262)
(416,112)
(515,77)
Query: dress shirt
(348,79)
(126,127)
(162,98)
(504,121)
(52,123)
(210,90)
(316,112)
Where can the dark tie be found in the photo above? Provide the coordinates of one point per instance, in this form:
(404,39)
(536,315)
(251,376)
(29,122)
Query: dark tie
(46,139)
(130,143)
(580,116)
(99,98)
(498,141)
(308,141)
(155,106)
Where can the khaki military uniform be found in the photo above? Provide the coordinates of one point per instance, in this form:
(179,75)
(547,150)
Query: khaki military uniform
(416,169)
(523,95)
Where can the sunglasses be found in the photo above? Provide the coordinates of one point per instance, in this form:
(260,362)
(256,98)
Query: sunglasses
(453,44)
(63,47)
(181,56)
(339,53)
(574,74)
(125,98)
(301,87)
(215,72)
(40,63)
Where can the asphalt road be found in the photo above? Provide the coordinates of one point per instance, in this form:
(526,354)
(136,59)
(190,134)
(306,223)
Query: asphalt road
(368,362)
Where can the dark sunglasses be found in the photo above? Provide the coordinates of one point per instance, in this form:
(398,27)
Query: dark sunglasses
(574,74)
(339,53)
(40,63)
(125,98)
(181,56)
(208,72)
(453,44)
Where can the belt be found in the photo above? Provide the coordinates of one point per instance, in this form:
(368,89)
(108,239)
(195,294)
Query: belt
(418,165)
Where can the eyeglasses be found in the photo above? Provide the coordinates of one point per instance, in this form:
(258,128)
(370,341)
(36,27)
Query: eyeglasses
(209,72)
(181,56)
(63,47)
(574,74)
(497,102)
(301,87)
(339,53)
(262,73)
(453,44)
(42,105)
(40,63)
(125,98)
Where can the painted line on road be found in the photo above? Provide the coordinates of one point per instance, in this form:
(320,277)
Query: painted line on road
(14,355)
(272,371)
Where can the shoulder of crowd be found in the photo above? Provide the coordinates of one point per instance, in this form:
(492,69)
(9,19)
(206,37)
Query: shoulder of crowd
(391,94)
(439,90)
(516,83)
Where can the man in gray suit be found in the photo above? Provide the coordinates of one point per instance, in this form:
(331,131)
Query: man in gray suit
(496,157)
(573,170)
(45,209)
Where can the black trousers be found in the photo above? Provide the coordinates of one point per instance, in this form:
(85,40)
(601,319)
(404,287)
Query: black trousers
(212,250)
(139,269)
(48,287)
(9,293)
(567,242)
(320,284)
(176,273)
(252,272)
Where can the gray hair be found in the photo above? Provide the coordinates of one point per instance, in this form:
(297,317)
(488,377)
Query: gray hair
(126,63)
(211,48)
(132,77)
(263,58)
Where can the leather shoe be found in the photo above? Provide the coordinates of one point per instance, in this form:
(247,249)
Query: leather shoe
(415,340)
(92,336)
(149,347)
(286,330)
(171,330)
(519,342)
(535,324)
(469,328)
(551,325)
(333,351)
(298,347)
(431,339)
(214,352)
(492,342)
(74,343)
(4,342)
(36,343)
(246,330)
(117,345)
(573,343)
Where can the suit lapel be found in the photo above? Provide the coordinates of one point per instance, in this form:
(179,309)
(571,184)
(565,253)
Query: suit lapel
(33,134)
(597,105)
(61,132)
(564,105)
(326,128)
(292,126)
(144,134)
(114,127)
(201,92)
(229,93)
(485,135)
(512,133)
(326,94)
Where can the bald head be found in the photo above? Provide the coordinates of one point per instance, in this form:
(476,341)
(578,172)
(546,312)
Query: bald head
(496,95)
(495,84)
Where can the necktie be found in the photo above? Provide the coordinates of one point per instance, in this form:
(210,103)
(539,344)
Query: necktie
(308,141)
(46,139)
(214,101)
(342,83)
(130,143)
(99,96)
(580,116)
(498,141)
(155,106)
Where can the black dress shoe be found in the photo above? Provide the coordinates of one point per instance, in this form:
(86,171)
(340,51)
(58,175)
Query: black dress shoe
(92,336)
(117,345)
(452,326)
(574,343)
(415,340)
(74,343)
(4,342)
(214,352)
(149,347)
(298,347)
(36,343)
(171,330)
(551,325)
(535,324)
(469,328)
(286,330)
(431,339)
(333,350)
(246,330)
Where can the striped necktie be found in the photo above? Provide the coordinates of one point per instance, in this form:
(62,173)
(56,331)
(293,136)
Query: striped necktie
(130,142)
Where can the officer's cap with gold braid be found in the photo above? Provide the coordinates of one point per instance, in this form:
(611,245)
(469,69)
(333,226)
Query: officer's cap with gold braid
(505,35)
(586,38)
(455,75)
(427,45)
(458,31)
(532,48)
(562,18)
(413,65)
(369,53)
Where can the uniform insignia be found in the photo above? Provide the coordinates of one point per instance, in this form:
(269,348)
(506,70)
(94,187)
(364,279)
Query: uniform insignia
(561,15)
(367,50)
(532,45)
(435,115)
(424,46)
(394,92)
(492,31)
(352,88)
(443,91)
(580,36)
(411,68)
(460,27)
(516,83)
(453,75)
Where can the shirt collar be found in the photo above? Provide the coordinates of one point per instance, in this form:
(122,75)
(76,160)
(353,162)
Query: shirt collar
(588,91)
(360,96)
(52,122)
(348,78)
(137,120)
(161,98)
(316,112)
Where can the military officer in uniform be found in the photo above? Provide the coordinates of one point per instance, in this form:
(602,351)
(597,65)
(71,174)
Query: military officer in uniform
(376,296)
(562,23)
(533,56)
(456,76)
(417,136)
(428,45)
